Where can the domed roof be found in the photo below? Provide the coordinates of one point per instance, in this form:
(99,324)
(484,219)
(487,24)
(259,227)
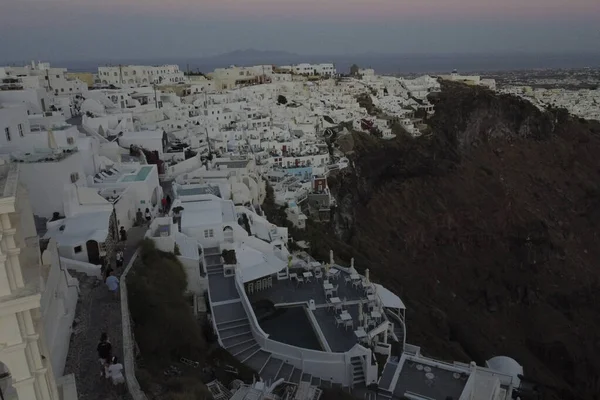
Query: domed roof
(507,366)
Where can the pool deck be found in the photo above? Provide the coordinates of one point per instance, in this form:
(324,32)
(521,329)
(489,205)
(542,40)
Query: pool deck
(287,292)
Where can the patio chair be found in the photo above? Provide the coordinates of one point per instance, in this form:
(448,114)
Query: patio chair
(328,293)
(347,279)
(335,290)
(258,285)
(338,322)
(349,324)
(356,284)
(299,280)
(318,273)
(339,307)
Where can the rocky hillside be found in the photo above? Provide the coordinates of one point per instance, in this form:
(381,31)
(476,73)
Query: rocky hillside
(487,228)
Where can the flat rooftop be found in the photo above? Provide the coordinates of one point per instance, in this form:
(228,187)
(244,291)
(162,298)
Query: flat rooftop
(429,381)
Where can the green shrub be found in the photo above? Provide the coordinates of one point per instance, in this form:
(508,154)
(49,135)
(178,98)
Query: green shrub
(165,326)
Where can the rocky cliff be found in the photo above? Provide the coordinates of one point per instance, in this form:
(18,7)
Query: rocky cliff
(487,228)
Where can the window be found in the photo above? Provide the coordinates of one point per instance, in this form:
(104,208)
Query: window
(7,133)
(77,249)
(58,76)
(208,233)
(62,89)
(20,126)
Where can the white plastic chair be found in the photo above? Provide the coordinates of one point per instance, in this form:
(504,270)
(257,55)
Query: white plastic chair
(335,290)
(349,324)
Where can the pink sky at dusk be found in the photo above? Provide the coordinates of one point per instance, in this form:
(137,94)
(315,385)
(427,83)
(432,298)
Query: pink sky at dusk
(124,28)
(387,9)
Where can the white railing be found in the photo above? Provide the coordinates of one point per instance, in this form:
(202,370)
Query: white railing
(329,366)
(133,386)
(82,266)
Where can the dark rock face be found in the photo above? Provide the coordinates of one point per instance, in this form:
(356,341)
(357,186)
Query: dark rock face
(487,229)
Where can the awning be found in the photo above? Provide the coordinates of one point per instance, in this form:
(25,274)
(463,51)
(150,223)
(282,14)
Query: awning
(389,299)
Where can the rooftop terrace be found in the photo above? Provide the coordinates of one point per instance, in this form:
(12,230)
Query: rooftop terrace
(287,294)
(430,381)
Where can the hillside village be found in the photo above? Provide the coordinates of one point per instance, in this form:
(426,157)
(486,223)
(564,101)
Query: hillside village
(194,164)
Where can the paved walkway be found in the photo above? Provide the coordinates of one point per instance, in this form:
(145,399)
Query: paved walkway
(98,311)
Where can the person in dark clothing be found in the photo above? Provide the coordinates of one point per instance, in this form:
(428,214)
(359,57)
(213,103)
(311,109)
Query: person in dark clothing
(104,352)
(163,204)
(148,216)
(139,217)
(168,202)
(123,234)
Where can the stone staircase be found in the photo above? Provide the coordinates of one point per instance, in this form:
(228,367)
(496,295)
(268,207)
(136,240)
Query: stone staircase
(358,373)
(233,327)
(398,325)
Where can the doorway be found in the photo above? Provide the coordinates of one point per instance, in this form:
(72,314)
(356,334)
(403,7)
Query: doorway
(93,252)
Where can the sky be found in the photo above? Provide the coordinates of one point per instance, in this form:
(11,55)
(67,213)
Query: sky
(130,29)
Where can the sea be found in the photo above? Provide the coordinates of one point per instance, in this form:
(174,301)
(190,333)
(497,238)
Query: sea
(382,63)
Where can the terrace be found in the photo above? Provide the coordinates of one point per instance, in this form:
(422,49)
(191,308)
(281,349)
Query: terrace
(320,313)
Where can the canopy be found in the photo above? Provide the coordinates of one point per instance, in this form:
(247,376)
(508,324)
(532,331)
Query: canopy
(389,299)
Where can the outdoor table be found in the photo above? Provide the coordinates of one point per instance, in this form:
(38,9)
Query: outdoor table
(327,286)
(307,275)
(360,333)
(345,316)
(335,300)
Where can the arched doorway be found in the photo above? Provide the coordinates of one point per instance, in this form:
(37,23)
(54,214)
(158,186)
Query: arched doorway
(7,391)
(93,252)
(228,234)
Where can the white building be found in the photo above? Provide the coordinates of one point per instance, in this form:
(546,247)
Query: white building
(326,69)
(140,75)
(24,354)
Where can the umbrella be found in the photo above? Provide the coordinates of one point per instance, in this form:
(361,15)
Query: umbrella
(361,317)
(52,140)
(367,275)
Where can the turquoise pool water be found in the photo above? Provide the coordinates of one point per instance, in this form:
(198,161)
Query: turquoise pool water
(141,175)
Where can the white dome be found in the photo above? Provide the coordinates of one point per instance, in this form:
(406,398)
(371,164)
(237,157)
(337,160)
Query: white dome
(507,366)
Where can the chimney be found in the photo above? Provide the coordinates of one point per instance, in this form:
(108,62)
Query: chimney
(352,262)
(331,257)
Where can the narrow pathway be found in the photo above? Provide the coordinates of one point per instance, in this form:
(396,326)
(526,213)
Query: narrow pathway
(98,311)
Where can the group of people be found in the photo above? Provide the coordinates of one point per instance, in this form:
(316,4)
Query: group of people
(111,368)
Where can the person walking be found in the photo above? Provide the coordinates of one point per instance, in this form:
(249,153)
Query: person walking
(115,372)
(168,203)
(163,204)
(112,282)
(123,234)
(148,216)
(120,258)
(104,349)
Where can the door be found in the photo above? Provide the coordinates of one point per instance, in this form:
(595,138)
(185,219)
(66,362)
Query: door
(93,252)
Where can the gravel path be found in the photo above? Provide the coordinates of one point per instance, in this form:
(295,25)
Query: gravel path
(97,311)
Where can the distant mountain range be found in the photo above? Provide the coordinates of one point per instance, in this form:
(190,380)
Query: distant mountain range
(382,63)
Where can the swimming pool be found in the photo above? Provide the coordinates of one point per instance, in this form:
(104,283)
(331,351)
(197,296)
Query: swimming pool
(140,176)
